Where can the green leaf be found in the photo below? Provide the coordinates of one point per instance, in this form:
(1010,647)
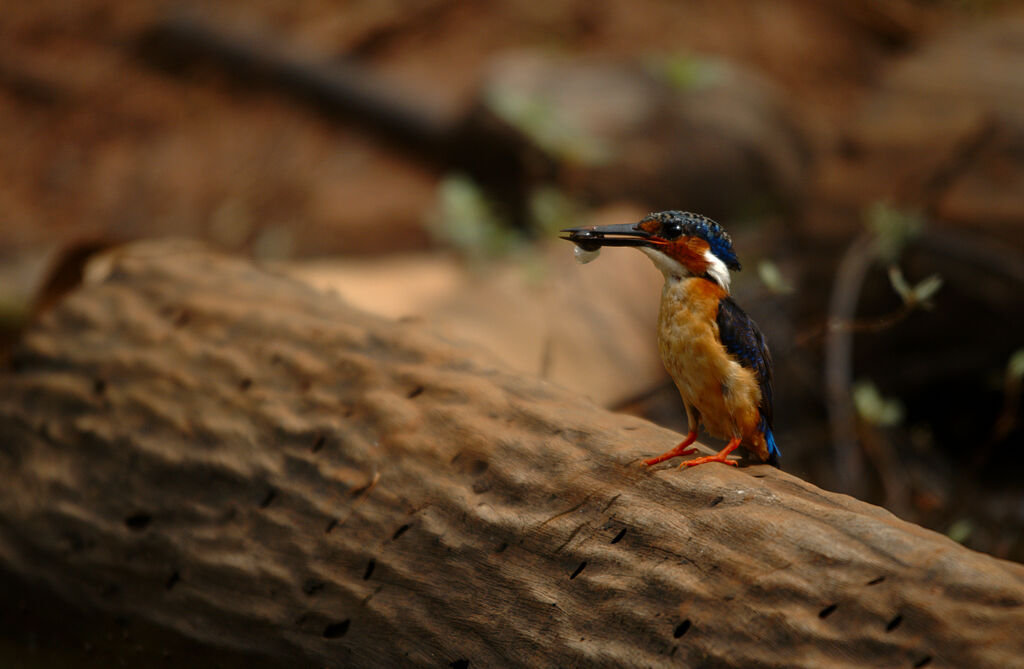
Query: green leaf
(960,530)
(686,72)
(772,278)
(892,229)
(874,408)
(927,288)
(551,210)
(918,295)
(467,220)
(1015,367)
(548,125)
(899,284)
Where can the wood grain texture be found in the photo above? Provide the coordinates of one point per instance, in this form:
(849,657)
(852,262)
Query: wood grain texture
(226,458)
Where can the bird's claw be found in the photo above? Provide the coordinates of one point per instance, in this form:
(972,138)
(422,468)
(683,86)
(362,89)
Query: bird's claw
(675,452)
(679,449)
(709,458)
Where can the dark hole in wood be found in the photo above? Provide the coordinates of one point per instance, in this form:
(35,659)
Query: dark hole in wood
(99,386)
(876,581)
(138,521)
(583,565)
(75,541)
(681,629)
(827,611)
(460,664)
(369,569)
(618,537)
(182,318)
(399,532)
(501,547)
(268,498)
(318,443)
(245,384)
(331,525)
(336,630)
(758,476)
(312,586)
(923,662)
(479,467)
(173,579)
(894,623)
(716,501)
(415,392)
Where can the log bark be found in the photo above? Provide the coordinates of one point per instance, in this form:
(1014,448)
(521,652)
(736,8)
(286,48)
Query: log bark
(206,461)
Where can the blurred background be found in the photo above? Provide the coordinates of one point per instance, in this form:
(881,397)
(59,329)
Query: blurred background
(418,157)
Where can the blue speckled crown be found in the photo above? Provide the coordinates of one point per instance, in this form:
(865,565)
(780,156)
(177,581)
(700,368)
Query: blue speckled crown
(696,225)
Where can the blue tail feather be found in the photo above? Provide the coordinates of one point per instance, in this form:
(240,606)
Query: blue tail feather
(769,439)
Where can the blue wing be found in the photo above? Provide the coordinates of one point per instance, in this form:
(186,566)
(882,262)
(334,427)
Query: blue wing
(744,341)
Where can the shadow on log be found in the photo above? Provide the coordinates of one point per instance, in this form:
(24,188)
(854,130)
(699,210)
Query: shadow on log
(206,462)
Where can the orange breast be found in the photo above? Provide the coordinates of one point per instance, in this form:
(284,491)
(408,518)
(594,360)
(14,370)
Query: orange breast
(724,393)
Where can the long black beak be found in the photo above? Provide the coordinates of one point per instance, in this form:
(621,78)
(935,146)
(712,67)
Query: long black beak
(592,237)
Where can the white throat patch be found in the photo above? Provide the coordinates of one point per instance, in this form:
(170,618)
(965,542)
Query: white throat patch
(672,269)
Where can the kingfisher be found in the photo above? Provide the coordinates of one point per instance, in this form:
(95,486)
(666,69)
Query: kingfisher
(712,349)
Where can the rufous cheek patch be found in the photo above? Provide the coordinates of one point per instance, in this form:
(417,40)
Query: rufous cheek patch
(689,252)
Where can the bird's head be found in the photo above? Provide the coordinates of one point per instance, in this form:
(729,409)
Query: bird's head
(681,244)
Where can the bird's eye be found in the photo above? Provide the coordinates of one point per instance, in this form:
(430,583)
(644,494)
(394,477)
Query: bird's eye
(671,229)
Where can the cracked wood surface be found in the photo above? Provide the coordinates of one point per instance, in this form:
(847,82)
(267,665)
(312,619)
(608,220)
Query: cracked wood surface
(227,466)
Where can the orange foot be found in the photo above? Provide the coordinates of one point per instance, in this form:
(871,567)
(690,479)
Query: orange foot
(680,449)
(720,456)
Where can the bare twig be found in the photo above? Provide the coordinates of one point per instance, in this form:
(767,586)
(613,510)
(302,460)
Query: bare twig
(865,325)
(853,267)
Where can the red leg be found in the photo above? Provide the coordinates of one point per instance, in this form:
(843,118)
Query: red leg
(717,457)
(680,449)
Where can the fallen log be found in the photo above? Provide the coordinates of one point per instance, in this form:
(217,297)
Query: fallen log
(203,461)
